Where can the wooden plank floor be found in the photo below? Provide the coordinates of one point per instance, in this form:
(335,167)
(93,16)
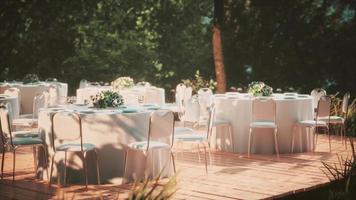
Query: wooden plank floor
(230,176)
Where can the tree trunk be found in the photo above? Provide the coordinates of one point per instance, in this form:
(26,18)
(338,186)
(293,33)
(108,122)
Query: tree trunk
(217,46)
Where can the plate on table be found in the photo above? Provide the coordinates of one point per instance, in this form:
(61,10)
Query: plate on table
(86,111)
(290,94)
(303,96)
(129,110)
(154,108)
(149,105)
(289,98)
(80,104)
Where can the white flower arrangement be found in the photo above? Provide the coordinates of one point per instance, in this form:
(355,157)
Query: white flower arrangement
(107,99)
(258,88)
(122,83)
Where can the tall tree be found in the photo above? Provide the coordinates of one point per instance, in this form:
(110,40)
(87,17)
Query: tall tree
(217,46)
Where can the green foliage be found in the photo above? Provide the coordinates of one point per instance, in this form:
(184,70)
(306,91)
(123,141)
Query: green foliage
(153,190)
(301,44)
(258,88)
(30,78)
(199,82)
(344,170)
(107,99)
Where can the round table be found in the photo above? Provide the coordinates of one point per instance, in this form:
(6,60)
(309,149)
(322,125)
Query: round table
(150,94)
(14,109)
(110,130)
(237,109)
(29,91)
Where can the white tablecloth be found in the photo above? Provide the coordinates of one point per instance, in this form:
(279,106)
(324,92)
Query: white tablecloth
(237,109)
(29,91)
(149,95)
(110,131)
(14,105)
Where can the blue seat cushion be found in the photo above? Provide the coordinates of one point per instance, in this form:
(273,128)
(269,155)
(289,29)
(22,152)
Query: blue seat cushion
(75,147)
(190,137)
(153,145)
(26,141)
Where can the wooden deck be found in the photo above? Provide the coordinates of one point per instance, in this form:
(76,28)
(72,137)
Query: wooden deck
(230,176)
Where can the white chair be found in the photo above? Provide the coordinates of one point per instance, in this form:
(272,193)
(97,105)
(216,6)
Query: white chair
(67,136)
(188,135)
(316,94)
(160,137)
(191,113)
(323,112)
(340,120)
(30,120)
(188,92)
(263,117)
(204,97)
(179,95)
(15,139)
(14,92)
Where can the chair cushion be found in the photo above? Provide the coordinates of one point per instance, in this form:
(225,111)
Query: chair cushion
(333,119)
(183,130)
(311,123)
(26,141)
(190,137)
(153,145)
(75,147)
(220,122)
(263,124)
(24,134)
(24,122)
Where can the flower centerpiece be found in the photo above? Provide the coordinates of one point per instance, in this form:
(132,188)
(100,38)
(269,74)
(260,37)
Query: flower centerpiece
(107,99)
(30,79)
(122,83)
(258,88)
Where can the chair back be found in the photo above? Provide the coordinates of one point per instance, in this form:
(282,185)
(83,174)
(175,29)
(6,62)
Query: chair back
(40,101)
(14,92)
(264,109)
(161,127)
(53,93)
(180,89)
(66,128)
(324,107)
(316,94)
(187,94)
(192,110)
(211,118)
(345,103)
(5,125)
(204,97)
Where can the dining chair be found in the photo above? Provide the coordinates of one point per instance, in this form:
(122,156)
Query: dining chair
(188,135)
(263,117)
(160,137)
(204,98)
(12,140)
(316,94)
(14,92)
(67,136)
(340,120)
(322,121)
(191,113)
(31,120)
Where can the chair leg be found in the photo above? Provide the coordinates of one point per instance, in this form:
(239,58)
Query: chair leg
(45,158)
(65,169)
(125,166)
(34,160)
(50,176)
(345,137)
(231,139)
(97,167)
(206,159)
(2,163)
(249,143)
(327,129)
(85,169)
(292,141)
(173,162)
(13,165)
(316,136)
(276,142)
(199,152)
